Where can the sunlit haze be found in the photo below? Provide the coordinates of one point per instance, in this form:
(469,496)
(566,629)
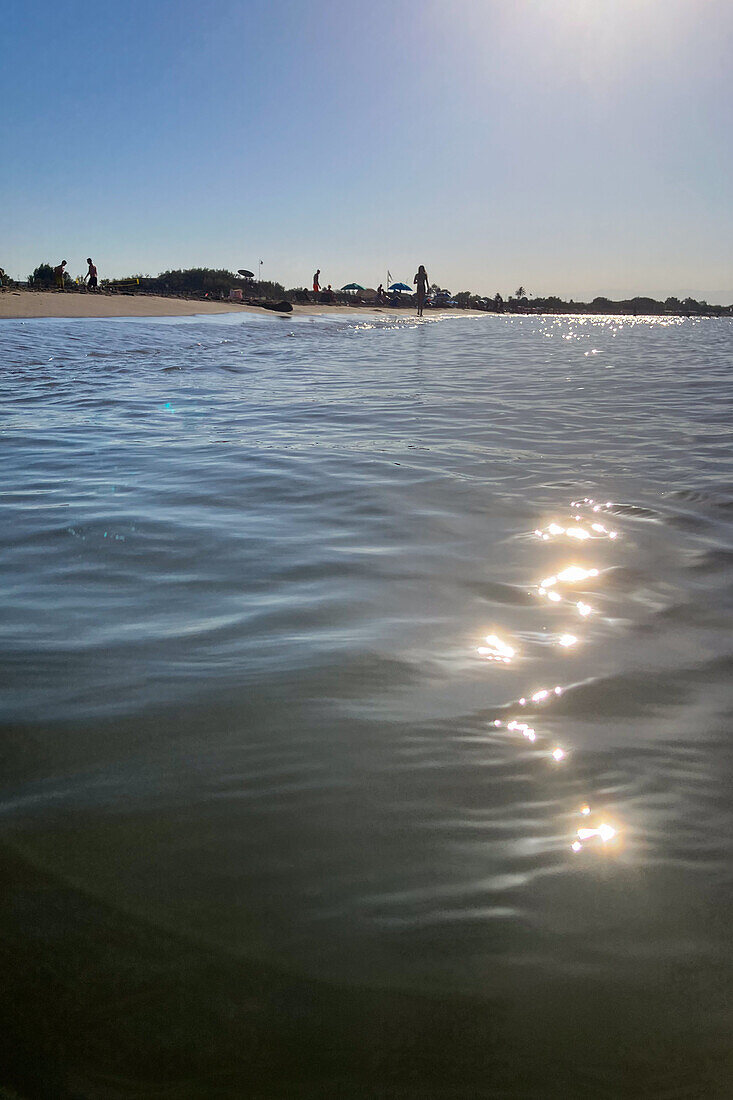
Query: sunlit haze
(574,147)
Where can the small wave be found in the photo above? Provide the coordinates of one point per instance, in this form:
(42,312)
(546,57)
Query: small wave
(622,695)
(635,511)
(496,592)
(717,560)
(700,496)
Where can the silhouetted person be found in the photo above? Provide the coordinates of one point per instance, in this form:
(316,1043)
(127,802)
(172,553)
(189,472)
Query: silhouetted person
(317,281)
(380,294)
(421,282)
(58,274)
(91,275)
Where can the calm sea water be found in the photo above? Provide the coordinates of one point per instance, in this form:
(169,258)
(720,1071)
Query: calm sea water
(321,642)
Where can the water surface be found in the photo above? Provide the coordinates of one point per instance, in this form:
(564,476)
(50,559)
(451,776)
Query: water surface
(277,819)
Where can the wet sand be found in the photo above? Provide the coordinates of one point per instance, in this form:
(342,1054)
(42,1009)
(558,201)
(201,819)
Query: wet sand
(19,304)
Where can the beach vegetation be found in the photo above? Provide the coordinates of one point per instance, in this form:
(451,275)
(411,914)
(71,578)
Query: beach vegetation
(43,278)
(199,282)
(196,280)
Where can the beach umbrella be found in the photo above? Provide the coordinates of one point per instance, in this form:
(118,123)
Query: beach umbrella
(246,274)
(401,286)
(352,286)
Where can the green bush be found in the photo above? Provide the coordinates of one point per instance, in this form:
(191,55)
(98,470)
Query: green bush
(216,282)
(43,277)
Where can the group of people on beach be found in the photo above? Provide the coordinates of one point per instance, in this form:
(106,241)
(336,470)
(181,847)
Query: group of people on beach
(90,279)
(420,282)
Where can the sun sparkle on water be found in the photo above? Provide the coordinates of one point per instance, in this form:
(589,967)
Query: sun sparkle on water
(497,649)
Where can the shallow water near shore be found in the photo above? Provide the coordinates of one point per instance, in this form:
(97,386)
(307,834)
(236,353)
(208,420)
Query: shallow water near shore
(366,707)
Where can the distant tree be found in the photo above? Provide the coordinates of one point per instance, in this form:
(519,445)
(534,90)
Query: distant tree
(42,276)
(266,289)
(199,281)
(520,292)
(463,298)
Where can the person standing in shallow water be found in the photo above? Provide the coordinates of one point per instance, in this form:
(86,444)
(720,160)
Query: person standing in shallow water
(421,282)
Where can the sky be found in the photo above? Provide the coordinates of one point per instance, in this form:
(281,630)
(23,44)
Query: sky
(573,147)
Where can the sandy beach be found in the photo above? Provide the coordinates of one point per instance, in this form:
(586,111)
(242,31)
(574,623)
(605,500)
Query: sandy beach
(20,304)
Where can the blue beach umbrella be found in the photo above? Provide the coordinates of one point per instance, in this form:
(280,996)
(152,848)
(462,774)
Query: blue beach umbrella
(352,286)
(401,286)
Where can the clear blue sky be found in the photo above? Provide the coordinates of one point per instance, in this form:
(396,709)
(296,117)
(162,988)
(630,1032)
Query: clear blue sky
(577,147)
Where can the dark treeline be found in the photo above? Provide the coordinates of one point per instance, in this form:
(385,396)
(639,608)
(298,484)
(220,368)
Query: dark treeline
(217,283)
(214,282)
(195,282)
(640,306)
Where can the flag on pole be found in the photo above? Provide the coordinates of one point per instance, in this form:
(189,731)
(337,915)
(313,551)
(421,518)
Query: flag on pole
(389,277)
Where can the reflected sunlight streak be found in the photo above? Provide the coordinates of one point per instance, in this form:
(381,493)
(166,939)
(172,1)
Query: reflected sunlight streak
(496,649)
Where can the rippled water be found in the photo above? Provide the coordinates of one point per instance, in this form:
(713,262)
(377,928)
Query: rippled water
(280,814)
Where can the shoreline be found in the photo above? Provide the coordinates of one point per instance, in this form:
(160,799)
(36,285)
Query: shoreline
(23,305)
(26,305)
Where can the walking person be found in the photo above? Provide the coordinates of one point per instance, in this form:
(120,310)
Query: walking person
(421,282)
(317,281)
(91,275)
